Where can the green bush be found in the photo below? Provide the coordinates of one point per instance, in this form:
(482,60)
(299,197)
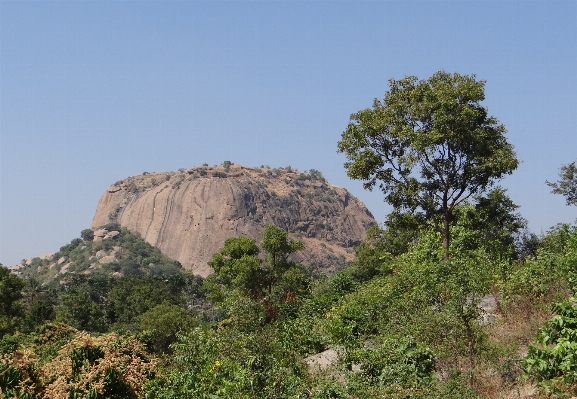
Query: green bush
(551,361)
(216,173)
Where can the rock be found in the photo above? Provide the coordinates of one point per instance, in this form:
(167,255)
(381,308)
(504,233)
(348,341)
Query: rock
(61,260)
(99,235)
(101,253)
(47,256)
(322,361)
(188,216)
(111,234)
(488,305)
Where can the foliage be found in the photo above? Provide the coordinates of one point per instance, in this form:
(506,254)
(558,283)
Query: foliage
(430,144)
(496,222)
(549,271)
(226,363)
(316,175)
(434,300)
(130,297)
(134,257)
(567,184)
(397,365)
(87,235)
(219,174)
(10,293)
(274,282)
(162,323)
(551,361)
(79,310)
(108,366)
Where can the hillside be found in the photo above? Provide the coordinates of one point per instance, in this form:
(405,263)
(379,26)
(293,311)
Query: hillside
(109,251)
(190,213)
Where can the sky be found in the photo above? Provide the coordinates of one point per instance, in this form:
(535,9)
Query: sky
(92,92)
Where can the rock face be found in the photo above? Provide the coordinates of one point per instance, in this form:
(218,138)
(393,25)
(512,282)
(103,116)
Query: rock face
(189,214)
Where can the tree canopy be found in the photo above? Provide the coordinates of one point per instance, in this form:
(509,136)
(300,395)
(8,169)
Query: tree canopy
(10,293)
(429,145)
(567,184)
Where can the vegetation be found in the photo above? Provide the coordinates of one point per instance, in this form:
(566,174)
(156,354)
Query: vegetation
(405,321)
(567,184)
(411,317)
(124,252)
(430,144)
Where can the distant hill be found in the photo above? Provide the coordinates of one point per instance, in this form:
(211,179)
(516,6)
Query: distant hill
(190,213)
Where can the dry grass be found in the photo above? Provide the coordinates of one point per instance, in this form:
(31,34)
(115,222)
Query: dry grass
(499,376)
(520,322)
(498,372)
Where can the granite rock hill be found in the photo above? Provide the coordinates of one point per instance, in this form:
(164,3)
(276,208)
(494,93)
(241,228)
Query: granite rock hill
(190,213)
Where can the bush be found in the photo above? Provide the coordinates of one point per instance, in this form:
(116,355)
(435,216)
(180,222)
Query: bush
(551,361)
(218,174)
(108,366)
(87,235)
(162,323)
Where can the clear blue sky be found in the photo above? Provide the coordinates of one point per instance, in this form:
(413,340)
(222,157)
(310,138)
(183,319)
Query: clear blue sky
(95,91)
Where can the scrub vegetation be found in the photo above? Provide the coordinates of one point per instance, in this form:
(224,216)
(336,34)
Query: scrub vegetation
(452,297)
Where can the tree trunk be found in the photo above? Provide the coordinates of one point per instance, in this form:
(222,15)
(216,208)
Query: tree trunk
(470,340)
(446,237)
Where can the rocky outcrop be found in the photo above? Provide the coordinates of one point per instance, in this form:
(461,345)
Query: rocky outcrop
(189,214)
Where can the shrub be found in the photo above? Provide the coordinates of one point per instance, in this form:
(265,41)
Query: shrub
(108,366)
(87,235)
(316,175)
(551,361)
(218,174)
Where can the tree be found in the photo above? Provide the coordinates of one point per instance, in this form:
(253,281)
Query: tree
(497,225)
(567,185)
(80,366)
(87,235)
(162,323)
(277,248)
(236,266)
(239,273)
(430,144)
(10,294)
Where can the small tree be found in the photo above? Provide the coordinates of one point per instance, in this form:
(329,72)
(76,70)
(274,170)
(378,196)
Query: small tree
(567,184)
(239,272)
(277,247)
(430,144)
(88,234)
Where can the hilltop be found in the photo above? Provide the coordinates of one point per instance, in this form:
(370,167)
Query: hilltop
(189,214)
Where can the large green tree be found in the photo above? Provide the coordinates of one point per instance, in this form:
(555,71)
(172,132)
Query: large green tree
(430,145)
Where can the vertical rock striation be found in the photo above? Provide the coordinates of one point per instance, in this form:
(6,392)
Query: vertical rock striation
(189,214)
